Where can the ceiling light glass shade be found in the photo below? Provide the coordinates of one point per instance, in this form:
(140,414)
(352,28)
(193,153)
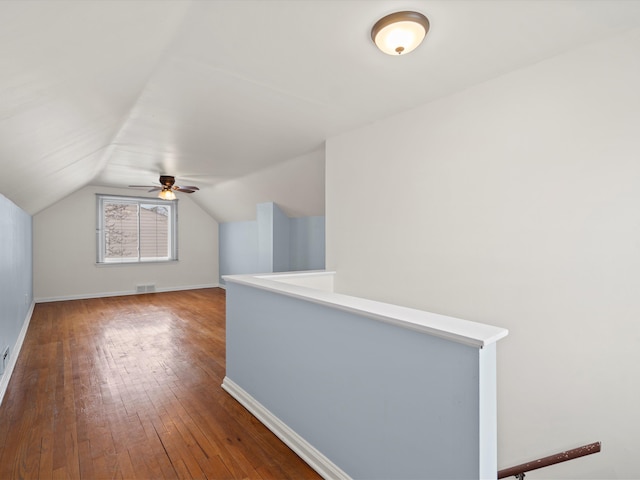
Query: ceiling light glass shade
(167,195)
(400,32)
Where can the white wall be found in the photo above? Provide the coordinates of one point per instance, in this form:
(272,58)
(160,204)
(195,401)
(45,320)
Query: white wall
(65,251)
(296,185)
(516,203)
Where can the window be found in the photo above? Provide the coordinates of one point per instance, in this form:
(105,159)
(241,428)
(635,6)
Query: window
(136,230)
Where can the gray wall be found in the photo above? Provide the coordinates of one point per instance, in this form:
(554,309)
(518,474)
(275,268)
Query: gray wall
(307,243)
(264,220)
(378,400)
(271,243)
(238,247)
(16,273)
(281,240)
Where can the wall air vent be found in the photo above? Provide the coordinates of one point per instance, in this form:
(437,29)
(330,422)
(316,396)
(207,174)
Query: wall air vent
(146,288)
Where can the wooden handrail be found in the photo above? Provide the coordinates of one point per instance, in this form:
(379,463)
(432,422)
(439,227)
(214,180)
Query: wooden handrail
(519,470)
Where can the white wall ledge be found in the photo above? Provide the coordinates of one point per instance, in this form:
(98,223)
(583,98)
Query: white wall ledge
(454,329)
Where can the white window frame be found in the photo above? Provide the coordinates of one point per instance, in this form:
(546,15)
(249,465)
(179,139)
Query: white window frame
(172,205)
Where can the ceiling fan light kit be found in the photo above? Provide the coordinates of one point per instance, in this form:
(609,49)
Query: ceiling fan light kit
(400,33)
(167,194)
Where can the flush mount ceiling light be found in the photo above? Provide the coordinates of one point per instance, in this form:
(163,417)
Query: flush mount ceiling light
(400,33)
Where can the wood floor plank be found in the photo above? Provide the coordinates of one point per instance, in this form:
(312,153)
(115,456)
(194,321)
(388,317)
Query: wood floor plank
(129,387)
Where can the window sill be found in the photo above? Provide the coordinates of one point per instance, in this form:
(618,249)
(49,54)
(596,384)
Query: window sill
(131,264)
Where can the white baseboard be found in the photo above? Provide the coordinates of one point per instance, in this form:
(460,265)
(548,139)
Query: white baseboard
(120,294)
(14,353)
(316,460)
(190,287)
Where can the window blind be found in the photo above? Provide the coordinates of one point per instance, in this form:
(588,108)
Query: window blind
(133,229)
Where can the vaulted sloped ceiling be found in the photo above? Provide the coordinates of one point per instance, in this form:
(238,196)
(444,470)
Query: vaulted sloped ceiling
(70,74)
(238,96)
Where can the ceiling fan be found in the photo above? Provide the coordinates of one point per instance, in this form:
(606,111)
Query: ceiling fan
(167,187)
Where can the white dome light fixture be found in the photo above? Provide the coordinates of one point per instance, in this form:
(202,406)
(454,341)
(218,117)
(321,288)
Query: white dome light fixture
(400,33)
(167,194)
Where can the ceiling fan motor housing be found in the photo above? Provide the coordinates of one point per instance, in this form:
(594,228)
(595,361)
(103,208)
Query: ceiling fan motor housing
(167,180)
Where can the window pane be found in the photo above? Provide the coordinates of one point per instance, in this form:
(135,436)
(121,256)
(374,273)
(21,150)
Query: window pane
(154,232)
(121,230)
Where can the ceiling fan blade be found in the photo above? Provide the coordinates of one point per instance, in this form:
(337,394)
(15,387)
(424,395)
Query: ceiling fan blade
(167,183)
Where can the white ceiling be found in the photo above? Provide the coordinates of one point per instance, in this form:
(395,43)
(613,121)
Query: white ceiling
(238,96)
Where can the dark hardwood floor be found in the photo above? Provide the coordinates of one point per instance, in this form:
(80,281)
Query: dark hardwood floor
(129,387)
